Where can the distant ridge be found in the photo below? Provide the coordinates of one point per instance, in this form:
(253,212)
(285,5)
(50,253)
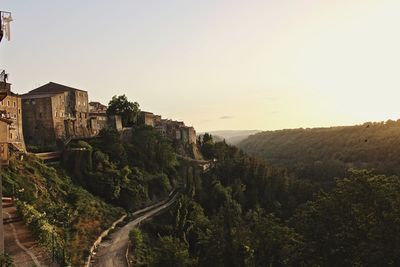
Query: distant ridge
(232,137)
(372,145)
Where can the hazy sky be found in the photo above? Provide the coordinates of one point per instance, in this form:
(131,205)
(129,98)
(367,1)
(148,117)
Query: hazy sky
(217,64)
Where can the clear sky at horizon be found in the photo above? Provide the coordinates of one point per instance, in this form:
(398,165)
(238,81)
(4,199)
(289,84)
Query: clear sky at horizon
(217,64)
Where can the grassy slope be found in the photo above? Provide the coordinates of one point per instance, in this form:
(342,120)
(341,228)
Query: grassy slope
(56,208)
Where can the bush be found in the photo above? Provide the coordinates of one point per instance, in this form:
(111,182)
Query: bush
(6,260)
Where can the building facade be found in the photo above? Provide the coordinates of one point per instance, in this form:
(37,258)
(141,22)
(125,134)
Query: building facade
(11,109)
(53,113)
(4,140)
(175,130)
(98,118)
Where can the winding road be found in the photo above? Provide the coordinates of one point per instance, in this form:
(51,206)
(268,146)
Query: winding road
(113,252)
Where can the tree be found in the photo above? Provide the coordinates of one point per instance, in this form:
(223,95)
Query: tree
(171,252)
(6,261)
(272,242)
(136,238)
(207,146)
(356,224)
(120,105)
(150,150)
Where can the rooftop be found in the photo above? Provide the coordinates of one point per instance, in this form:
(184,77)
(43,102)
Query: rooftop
(52,88)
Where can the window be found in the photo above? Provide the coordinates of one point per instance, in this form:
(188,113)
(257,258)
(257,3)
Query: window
(8,103)
(40,114)
(19,111)
(15,104)
(56,114)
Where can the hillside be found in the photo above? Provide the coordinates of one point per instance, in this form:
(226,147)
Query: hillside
(243,212)
(328,152)
(232,137)
(61,214)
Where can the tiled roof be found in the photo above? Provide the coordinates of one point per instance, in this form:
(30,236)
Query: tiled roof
(52,88)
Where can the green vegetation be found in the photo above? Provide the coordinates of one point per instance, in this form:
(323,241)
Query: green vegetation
(322,197)
(356,224)
(321,154)
(6,261)
(130,174)
(64,217)
(243,212)
(68,207)
(120,105)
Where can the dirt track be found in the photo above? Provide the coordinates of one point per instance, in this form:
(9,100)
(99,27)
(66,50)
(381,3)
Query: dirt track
(20,243)
(113,252)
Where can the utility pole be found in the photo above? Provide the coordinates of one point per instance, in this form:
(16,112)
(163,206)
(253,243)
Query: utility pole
(5,19)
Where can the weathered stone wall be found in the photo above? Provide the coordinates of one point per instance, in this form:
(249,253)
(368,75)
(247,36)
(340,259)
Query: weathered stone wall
(81,111)
(11,107)
(192,135)
(38,124)
(53,116)
(147,118)
(97,122)
(115,122)
(4,139)
(58,110)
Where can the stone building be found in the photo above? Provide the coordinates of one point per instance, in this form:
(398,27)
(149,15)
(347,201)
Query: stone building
(11,109)
(97,108)
(146,118)
(4,140)
(188,135)
(98,118)
(175,130)
(54,113)
(115,121)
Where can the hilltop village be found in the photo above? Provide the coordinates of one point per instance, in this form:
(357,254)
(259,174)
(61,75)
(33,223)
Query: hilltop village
(53,114)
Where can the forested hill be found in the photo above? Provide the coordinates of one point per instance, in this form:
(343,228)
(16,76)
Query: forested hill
(371,145)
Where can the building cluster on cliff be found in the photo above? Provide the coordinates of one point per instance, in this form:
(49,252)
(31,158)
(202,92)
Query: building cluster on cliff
(176,130)
(53,114)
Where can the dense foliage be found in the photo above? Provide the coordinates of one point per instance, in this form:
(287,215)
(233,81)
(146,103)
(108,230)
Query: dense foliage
(322,154)
(120,105)
(129,174)
(6,260)
(61,214)
(243,212)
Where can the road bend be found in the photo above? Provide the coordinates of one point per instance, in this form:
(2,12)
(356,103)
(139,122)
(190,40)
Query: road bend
(113,252)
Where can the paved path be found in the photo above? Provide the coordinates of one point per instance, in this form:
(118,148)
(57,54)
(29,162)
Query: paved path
(112,253)
(22,247)
(20,243)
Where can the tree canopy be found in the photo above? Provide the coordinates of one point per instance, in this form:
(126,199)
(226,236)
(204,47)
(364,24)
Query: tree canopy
(120,105)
